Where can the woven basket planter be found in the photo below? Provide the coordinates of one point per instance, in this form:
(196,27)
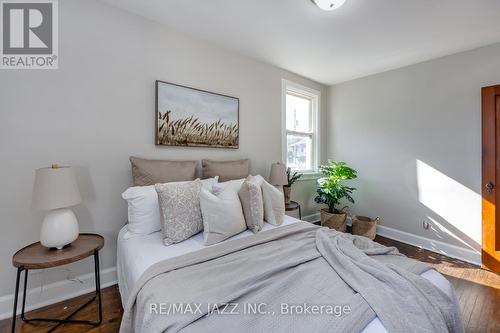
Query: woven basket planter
(333,221)
(364,226)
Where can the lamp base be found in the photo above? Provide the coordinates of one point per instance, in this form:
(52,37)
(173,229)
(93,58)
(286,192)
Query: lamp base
(59,228)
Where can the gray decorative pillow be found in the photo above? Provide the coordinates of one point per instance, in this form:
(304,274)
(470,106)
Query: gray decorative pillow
(180,212)
(253,208)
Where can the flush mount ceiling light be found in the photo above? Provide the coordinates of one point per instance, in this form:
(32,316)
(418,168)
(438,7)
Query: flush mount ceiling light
(329,4)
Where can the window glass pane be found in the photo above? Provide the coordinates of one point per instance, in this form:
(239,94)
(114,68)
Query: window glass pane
(299,152)
(298,113)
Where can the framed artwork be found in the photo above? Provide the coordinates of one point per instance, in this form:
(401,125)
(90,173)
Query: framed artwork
(195,118)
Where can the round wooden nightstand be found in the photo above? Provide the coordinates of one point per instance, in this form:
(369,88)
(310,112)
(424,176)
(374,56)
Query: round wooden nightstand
(293,205)
(36,256)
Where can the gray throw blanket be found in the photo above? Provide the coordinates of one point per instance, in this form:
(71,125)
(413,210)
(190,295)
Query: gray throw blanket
(273,281)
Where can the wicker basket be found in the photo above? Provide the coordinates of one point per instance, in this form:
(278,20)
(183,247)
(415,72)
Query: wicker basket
(364,226)
(333,221)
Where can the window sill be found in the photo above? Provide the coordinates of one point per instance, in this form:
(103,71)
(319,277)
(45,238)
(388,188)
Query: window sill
(309,175)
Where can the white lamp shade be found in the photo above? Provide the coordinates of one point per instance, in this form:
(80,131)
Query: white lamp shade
(278,174)
(55,188)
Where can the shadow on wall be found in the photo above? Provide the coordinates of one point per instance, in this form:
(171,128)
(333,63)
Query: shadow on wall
(451,207)
(87,191)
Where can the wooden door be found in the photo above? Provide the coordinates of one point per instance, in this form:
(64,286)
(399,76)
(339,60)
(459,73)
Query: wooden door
(491,177)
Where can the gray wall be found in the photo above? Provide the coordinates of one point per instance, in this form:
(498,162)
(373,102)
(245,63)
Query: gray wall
(414,135)
(97,109)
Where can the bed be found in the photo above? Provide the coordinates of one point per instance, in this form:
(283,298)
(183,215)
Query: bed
(138,254)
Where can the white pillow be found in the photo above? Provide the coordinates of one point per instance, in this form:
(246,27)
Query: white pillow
(144,210)
(274,202)
(217,188)
(222,215)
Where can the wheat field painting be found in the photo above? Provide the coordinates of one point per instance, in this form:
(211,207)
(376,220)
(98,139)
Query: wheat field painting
(195,118)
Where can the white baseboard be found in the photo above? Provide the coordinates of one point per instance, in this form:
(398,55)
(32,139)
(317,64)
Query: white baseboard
(449,250)
(436,246)
(55,292)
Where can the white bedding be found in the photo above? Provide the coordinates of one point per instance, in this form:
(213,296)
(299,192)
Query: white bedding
(136,254)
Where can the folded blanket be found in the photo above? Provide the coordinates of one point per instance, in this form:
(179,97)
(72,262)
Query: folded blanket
(281,271)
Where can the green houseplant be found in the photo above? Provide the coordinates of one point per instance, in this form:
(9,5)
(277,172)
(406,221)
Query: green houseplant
(331,190)
(292,178)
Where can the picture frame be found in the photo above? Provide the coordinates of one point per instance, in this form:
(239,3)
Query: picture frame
(190,117)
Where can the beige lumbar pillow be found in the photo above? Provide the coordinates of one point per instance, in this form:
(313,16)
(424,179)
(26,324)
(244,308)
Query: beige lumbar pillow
(222,215)
(180,212)
(251,200)
(226,170)
(274,201)
(150,172)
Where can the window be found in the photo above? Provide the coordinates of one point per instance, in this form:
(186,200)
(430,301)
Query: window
(300,136)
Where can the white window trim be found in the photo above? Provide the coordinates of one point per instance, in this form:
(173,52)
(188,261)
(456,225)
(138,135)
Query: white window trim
(315,95)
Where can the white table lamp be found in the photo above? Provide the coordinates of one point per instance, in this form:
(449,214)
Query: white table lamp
(55,190)
(278,175)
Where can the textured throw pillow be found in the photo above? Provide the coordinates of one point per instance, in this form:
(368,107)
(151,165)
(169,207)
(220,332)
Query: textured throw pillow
(143,208)
(274,201)
(226,170)
(251,200)
(150,172)
(222,215)
(180,211)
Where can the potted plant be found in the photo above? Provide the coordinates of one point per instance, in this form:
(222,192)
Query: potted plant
(331,190)
(292,178)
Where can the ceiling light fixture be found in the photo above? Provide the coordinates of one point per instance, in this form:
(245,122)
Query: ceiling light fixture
(329,4)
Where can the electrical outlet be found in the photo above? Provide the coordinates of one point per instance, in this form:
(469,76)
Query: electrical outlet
(425,225)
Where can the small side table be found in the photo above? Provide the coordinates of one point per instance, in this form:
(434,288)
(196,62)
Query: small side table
(36,256)
(293,205)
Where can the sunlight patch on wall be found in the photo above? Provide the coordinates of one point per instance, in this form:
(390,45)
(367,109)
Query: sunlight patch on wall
(458,205)
(440,229)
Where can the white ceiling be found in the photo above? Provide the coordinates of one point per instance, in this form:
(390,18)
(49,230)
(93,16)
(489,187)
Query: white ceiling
(361,38)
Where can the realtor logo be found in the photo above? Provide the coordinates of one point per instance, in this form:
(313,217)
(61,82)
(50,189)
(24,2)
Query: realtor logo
(29,34)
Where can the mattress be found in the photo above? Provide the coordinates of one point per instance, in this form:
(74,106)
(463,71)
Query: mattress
(136,254)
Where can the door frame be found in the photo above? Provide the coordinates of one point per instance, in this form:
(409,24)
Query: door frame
(490,252)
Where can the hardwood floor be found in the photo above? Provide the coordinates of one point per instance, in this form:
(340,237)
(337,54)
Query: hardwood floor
(478,292)
(112,314)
